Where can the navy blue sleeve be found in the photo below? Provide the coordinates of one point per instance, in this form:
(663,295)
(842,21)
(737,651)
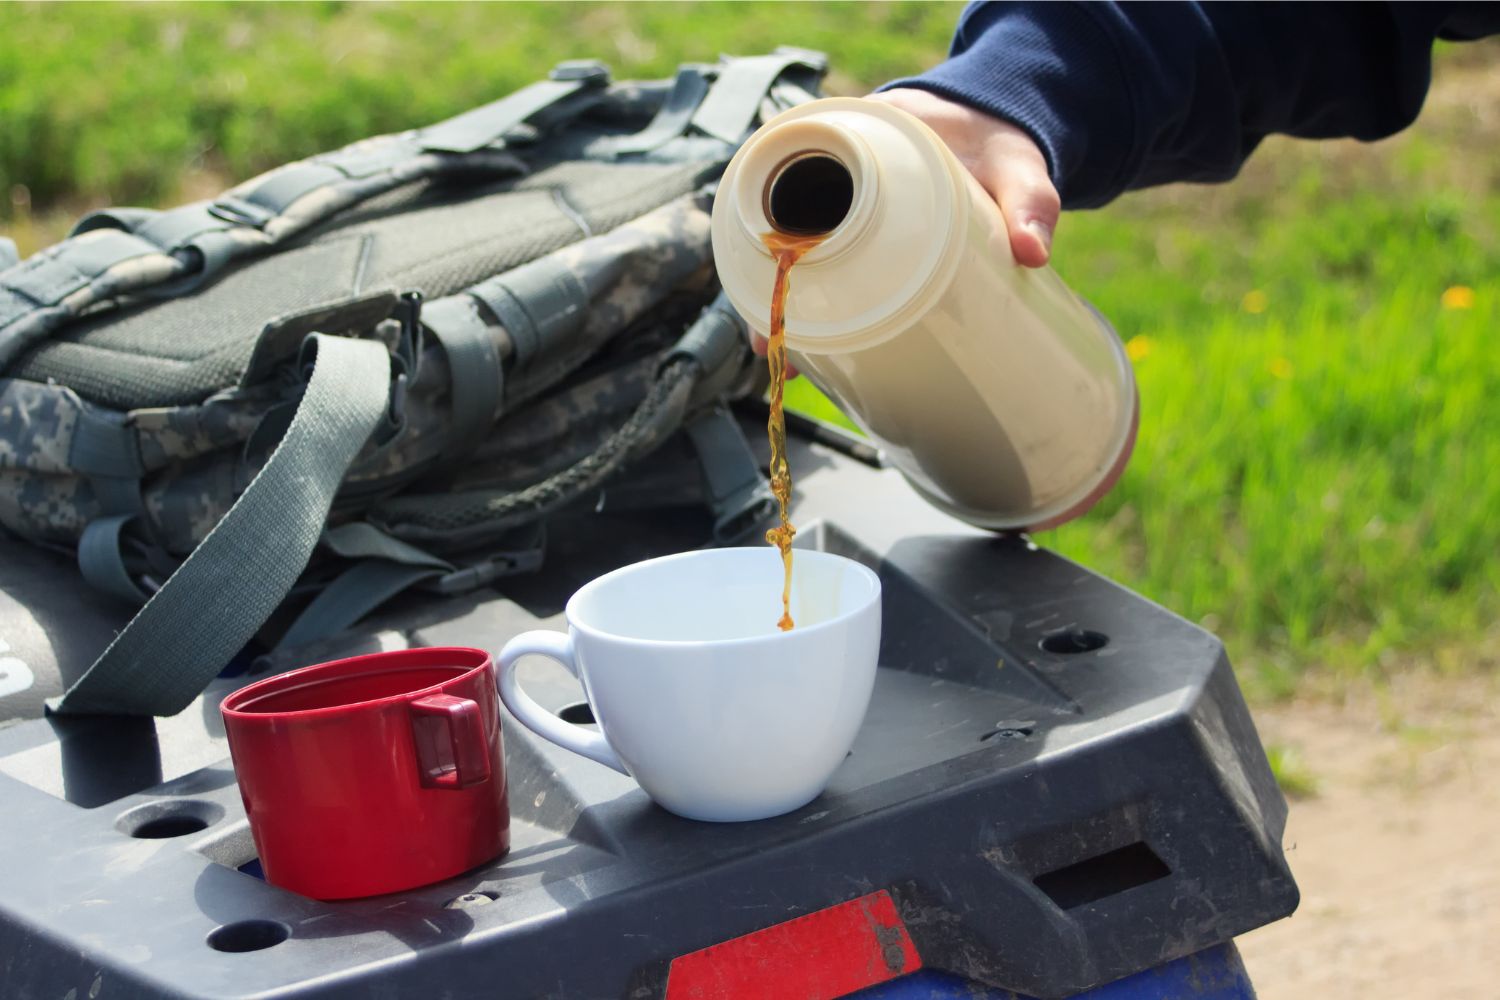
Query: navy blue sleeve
(1127,95)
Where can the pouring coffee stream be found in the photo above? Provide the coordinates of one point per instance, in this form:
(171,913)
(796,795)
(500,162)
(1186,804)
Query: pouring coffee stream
(806,199)
(787,248)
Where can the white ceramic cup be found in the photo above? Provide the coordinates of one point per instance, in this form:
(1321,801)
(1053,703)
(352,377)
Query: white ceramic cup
(699,697)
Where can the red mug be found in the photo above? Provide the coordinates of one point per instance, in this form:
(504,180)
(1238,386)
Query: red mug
(373,774)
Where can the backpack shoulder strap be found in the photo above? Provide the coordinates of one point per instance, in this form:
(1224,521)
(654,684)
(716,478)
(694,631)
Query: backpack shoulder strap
(221,596)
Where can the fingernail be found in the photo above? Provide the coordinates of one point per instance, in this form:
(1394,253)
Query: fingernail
(1043,233)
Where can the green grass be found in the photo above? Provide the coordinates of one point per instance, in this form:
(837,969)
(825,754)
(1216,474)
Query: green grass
(118,102)
(1321,479)
(1318,471)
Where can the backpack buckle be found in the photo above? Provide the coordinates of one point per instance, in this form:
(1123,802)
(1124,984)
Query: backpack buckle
(407,354)
(408,314)
(520,551)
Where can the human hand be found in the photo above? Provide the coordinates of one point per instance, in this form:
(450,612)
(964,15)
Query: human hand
(1004,160)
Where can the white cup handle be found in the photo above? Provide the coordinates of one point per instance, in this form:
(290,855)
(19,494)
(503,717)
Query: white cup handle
(559,647)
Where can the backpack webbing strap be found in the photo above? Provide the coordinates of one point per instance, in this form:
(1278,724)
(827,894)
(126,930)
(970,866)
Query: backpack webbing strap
(542,305)
(672,119)
(101,561)
(221,596)
(478,128)
(475,371)
(733,102)
(107,452)
(383,567)
(55,284)
(354,593)
(737,493)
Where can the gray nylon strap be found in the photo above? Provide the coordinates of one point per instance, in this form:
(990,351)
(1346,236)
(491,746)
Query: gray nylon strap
(283,187)
(715,337)
(540,304)
(731,105)
(47,278)
(672,120)
(57,272)
(180,227)
(357,591)
(13,307)
(203,231)
(102,564)
(474,370)
(105,445)
(476,129)
(386,567)
(366,159)
(124,219)
(226,589)
(737,493)
(106,450)
(362,540)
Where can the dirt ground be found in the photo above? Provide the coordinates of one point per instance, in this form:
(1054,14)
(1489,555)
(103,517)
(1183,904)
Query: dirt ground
(1398,850)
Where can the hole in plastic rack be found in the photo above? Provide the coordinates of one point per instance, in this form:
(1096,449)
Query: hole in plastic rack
(248,935)
(469,900)
(1108,874)
(1074,640)
(809,194)
(580,714)
(169,826)
(161,820)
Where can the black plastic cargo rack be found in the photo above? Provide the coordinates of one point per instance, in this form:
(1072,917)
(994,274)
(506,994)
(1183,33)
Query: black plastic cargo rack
(1057,785)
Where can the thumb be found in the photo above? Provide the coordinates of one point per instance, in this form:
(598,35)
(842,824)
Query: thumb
(1031,207)
(1012,169)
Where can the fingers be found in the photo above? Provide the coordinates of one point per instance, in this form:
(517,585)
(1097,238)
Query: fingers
(1003,158)
(1013,171)
(1030,206)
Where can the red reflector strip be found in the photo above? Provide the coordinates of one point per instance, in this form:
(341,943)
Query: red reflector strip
(827,954)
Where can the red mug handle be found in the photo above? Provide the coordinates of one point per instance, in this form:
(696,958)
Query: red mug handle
(468,760)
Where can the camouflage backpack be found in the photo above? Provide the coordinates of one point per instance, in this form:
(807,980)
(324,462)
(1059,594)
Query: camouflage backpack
(379,367)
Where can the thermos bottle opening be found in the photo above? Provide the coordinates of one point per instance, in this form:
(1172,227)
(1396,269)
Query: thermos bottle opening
(809,194)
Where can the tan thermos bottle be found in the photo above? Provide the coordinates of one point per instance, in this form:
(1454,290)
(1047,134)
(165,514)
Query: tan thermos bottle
(1002,396)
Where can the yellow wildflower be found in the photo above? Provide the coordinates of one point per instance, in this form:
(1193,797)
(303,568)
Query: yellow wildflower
(1254,301)
(1458,297)
(1139,346)
(1280,367)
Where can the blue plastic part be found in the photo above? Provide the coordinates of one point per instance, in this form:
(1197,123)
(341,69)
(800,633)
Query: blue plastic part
(1212,974)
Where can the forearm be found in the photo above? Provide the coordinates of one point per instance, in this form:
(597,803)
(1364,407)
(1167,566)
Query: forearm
(1126,95)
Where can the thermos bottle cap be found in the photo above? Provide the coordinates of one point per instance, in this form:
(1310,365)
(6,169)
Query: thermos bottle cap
(866,175)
